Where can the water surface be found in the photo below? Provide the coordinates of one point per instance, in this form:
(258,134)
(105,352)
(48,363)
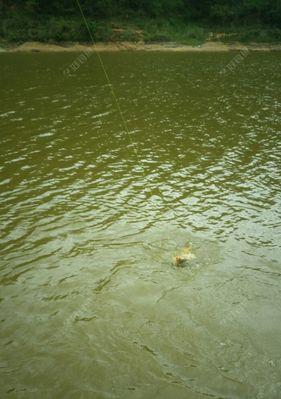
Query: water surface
(91,215)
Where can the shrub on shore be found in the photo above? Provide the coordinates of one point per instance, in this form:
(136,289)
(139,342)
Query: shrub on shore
(21,28)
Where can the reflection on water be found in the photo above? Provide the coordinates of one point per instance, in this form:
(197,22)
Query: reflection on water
(91,216)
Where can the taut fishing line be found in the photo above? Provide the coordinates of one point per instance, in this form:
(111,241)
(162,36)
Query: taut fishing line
(105,73)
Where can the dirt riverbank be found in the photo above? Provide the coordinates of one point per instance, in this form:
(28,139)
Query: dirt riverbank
(123,46)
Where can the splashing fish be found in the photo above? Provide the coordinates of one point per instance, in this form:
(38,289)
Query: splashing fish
(184,257)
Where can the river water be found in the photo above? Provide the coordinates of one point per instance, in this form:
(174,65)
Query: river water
(91,216)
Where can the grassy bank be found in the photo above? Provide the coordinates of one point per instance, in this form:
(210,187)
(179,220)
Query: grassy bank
(20,28)
(60,29)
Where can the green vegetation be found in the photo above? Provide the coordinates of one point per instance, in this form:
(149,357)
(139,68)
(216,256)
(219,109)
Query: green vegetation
(258,34)
(182,21)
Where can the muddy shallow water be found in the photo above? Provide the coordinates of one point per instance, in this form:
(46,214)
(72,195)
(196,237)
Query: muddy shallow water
(91,216)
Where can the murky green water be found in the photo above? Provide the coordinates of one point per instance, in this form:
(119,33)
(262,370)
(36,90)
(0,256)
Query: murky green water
(91,216)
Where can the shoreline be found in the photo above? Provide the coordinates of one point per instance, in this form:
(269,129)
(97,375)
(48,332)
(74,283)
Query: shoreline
(209,46)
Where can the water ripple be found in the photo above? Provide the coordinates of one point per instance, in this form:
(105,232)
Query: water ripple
(91,216)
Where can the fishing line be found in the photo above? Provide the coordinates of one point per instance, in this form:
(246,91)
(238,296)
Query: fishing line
(109,83)
(106,74)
